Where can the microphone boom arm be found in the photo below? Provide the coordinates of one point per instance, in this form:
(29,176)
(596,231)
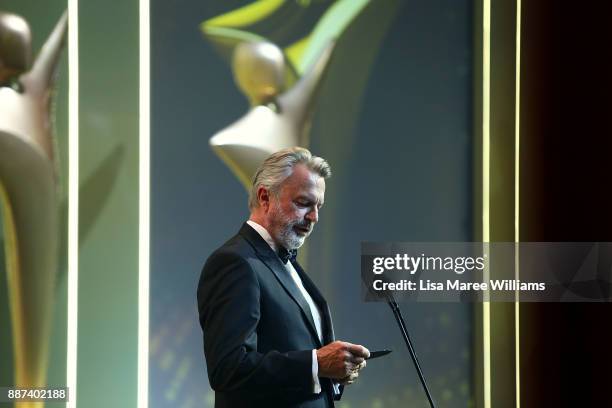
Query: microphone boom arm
(402,325)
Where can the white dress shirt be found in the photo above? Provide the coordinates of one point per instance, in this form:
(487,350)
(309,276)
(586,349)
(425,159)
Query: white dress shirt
(314,309)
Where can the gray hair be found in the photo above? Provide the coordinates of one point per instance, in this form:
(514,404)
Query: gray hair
(278,166)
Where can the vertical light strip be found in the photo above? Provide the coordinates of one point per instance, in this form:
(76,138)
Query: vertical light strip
(144,194)
(486,89)
(73,201)
(517,144)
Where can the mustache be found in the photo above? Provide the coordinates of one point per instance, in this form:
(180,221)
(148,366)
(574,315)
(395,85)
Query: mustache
(307,225)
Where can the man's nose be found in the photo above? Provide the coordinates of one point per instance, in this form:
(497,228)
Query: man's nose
(313,215)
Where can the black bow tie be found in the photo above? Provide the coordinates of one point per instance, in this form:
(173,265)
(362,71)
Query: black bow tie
(286,255)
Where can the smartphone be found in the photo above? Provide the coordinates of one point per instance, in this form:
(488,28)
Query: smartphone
(378,353)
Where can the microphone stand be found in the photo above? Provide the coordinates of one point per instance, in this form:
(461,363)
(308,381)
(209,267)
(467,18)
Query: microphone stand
(402,325)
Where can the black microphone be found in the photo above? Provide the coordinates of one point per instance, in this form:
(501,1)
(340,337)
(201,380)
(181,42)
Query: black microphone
(388,296)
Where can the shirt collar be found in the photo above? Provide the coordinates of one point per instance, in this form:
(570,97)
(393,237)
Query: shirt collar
(264,234)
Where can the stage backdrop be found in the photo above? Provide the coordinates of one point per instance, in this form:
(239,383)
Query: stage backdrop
(393,119)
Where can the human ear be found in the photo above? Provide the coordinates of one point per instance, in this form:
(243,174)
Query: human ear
(263,196)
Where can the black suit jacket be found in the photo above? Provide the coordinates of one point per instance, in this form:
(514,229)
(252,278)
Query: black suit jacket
(258,329)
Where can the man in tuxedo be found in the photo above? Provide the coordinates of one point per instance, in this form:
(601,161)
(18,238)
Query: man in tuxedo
(268,335)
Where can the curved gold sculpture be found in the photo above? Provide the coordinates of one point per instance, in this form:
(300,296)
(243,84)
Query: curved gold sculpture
(276,120)
(259,71)
(15,46)
(280,83)
(28,192)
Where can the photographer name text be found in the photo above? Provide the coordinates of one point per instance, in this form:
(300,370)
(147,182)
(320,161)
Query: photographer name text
(457,285)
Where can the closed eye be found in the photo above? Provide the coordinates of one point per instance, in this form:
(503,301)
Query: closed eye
(307,203)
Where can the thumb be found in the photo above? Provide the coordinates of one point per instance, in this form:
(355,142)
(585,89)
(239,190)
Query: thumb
(358,350)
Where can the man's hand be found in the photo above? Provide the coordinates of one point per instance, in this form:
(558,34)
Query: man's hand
(341,361)
(352,376)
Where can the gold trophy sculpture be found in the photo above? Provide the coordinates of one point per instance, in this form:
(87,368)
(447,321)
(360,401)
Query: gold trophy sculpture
(276,119)
(28,192)
(280,82)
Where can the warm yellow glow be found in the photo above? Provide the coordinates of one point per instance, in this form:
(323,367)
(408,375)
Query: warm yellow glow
(73,201)
(143,199)
(296,50)
(517,139)
(486,307)
(244,16)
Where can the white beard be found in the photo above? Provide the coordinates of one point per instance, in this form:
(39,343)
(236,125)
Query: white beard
(290,239)
(286,235)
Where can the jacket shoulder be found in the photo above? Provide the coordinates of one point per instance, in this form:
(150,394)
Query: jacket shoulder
(236,253)
(234,248)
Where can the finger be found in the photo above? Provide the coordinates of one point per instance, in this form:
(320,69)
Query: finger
(358,350)
(349,378)
(349,368)
(352,376)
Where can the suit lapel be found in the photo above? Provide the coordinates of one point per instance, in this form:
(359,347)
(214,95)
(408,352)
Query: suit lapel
(267,255)
(328,328)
